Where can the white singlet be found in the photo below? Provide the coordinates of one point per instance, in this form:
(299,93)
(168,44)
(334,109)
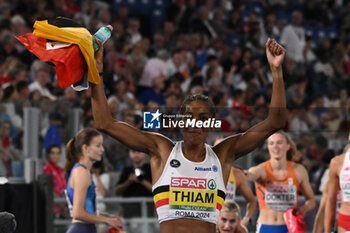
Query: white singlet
(344,179)
(189,189)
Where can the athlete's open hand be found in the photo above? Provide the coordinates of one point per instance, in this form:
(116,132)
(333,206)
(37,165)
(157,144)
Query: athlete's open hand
(275,53)
(115,222)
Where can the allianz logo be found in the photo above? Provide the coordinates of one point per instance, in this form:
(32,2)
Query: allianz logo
(202,169)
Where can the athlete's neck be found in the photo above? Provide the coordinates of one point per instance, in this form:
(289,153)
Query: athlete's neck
(280,164)
(194,153)
(86,162)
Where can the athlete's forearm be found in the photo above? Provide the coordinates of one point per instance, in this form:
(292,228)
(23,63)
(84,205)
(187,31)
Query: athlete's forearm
(251,205)
(329,215)
(89,218)
(277,111)
(99,106)
(309,205)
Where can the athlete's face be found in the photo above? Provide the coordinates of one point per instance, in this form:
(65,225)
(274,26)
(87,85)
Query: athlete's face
(198,110)
(95,149)
(228,222)
(278,146)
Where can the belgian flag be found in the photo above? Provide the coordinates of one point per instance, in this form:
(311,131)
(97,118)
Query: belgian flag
(67,45)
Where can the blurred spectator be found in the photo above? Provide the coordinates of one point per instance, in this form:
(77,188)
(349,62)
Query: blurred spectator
(212,62)
(9,156)
(175,11)
(203,24)
(232,121)
(113,106)
(300,156)
(271,29)
(177,62)
(23,94)
(158,44)
(64,104)
(155,93)
(53,135)
(299,123)
(155,67)
(121,70)
(133,29)
(135,181)
(168,31)
(125,98)
(293,38)
(235,21)
(42,79)
(53,153)
(296,93)
(8,47)
(123,14)
(138,60)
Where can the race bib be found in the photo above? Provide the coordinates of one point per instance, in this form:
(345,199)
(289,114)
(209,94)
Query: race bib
(280,197)
(230,192)
(192,198)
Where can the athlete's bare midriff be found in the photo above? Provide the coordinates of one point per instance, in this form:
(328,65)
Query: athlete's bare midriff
(345,208)
(187,225)
(271,217)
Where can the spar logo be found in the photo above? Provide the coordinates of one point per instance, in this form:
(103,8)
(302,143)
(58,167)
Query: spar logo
(187,182)
(211,184)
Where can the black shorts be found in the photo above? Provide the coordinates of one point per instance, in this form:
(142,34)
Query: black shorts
(79,227)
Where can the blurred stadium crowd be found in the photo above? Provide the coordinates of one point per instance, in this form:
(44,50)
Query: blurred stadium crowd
(162,50)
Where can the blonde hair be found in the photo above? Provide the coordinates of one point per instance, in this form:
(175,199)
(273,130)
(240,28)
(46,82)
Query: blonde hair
(232,207)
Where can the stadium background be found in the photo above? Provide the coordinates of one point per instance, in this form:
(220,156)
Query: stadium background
(161,51)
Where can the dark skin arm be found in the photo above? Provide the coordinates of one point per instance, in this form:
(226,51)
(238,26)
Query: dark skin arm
(233,147)
(156,145)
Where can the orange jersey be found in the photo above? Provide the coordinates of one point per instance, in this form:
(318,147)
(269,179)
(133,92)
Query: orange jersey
(278,194)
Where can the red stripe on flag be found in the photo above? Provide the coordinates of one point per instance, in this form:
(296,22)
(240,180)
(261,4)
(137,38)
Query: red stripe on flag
(162,202)
(218,206)
(70,63)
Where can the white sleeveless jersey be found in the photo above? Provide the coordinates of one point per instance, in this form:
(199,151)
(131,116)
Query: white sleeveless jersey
(189,189)
(344,179)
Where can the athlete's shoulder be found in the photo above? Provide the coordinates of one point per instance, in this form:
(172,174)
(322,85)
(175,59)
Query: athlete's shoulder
(337,160)
(260,166)
(298,167)
(81,171)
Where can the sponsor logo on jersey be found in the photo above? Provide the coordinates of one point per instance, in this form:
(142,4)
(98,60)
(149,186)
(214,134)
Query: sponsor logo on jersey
(175,163)
(202,169)
(187,182)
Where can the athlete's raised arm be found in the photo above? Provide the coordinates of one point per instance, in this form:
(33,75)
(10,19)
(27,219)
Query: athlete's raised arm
(147,142)
(238,145)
